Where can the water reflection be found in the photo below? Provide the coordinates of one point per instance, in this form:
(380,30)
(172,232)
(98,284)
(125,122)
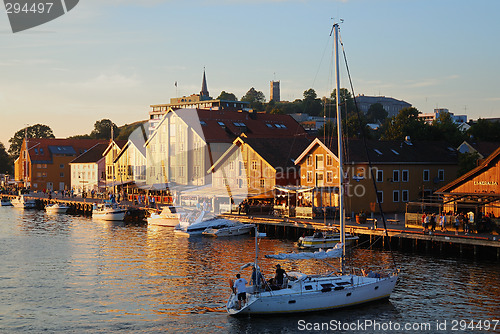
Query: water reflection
(82,275)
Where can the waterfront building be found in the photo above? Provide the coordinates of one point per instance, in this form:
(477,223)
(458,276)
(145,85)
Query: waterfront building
(43,163)
(477,190)
(110,154)
(88,171)
(403,170)
(391,105)
(255,166)
(187,142)
(130,163)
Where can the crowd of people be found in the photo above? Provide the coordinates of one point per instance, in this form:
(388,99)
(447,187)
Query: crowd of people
(467,221)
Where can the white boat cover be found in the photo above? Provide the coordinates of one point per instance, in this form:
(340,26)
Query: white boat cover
(321,254)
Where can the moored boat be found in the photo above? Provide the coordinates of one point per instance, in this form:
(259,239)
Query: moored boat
(56,208)
(237,228)
(327,239)
(108,211)
(23,202)
(5,201)
(169,216)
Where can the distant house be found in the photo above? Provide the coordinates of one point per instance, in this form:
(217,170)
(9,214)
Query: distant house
(88,170)
(477,190)
(483,149)
(403,171)
(391,105)
(43,163)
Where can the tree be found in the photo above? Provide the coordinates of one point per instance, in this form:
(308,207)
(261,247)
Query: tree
(405,123)
(466,162)
(346,100)
(484,130)
(102,130)
(34,131)
(376,113)
(255,98)
(227,96)
(5,161)
(311,104)
(444,128)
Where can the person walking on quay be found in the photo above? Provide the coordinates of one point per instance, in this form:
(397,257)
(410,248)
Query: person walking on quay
(442,221)
(456,222)
(433,222)
(240,289)
(466,224)
(424,224)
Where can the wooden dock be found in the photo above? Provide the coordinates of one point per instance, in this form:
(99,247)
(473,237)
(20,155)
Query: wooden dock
(398,236)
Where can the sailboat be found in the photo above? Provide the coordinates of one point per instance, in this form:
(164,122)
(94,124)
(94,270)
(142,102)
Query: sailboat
(301,292)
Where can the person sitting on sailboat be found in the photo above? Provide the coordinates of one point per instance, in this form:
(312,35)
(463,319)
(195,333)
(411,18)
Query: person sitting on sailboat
(257,278)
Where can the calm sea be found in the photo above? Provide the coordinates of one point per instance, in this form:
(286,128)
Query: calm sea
(61,273)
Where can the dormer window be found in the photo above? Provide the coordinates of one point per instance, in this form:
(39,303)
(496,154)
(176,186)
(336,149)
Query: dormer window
(221,123)
(36,151)
(269,125)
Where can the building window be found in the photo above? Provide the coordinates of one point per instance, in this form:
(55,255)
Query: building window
(36,151)
(242,167)
(395,196)
(181,171)
(404,196)
(441,174)
(309,176)
(262,183)
(329,177)
(426,175)
(319,161)
(380,196)
(319,179)
(329,160)
(254,164)
(309,160)
(61,165)
(231,165)
(395,175)
(404,175)
(61,174)
(380,175)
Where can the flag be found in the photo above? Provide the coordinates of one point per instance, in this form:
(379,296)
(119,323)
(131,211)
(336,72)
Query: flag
(176,84)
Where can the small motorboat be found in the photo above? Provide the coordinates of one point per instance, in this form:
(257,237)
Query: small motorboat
(169,216)
(56,208)
(6,201)
(324,240)
(229,231)
(108,211)
(24,203)
(197,223)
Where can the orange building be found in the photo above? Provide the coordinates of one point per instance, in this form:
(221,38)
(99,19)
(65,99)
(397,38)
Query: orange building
(43,163)
(403,171)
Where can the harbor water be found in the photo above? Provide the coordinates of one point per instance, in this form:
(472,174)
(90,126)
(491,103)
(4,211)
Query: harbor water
(68,274)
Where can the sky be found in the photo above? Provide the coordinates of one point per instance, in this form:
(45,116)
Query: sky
(114,58)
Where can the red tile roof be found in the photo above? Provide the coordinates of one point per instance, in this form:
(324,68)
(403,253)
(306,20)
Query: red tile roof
(39,151)
(225,126)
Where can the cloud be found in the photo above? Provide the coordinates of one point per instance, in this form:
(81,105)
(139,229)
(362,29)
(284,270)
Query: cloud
(105,82)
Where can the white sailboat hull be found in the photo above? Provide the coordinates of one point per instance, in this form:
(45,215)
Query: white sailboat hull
(110,215)
(56,208)
(296,299)
(159,220)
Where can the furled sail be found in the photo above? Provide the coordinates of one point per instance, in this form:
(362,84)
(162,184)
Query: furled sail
(335,252)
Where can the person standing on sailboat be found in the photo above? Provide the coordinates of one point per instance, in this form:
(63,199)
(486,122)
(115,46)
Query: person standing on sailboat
(241,289)
(280,276)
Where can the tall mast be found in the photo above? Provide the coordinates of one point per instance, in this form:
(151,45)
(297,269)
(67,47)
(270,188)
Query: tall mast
(339,144)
